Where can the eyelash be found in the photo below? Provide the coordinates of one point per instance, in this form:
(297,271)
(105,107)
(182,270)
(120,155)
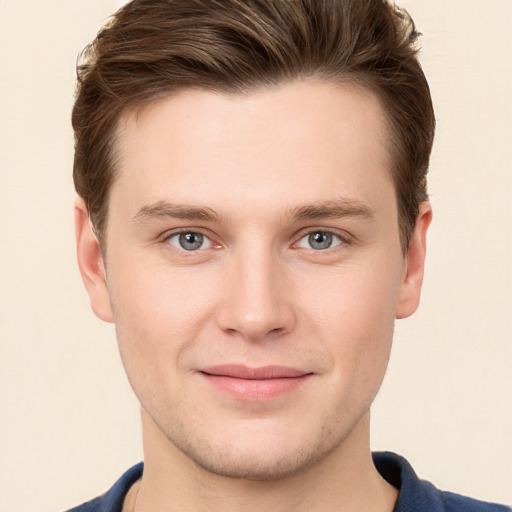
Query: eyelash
(169,235)
(343,239)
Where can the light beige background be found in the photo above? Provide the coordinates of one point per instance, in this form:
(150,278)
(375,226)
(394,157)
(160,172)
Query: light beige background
(68,422)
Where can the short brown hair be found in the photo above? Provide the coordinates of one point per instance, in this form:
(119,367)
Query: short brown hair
(151,48)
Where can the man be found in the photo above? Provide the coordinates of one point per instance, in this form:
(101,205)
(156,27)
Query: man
(252,217)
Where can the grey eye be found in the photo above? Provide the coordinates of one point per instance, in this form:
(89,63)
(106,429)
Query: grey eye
(319,240)
(189,241)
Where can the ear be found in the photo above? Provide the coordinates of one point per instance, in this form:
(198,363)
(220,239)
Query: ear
(414,264)
(91,264)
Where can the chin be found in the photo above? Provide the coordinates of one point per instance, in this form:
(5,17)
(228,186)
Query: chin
(263,465)
(259,452)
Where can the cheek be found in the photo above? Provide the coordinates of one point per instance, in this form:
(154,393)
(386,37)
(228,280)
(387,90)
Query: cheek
(158,314)
(354,318)
(158,297)
(353,298)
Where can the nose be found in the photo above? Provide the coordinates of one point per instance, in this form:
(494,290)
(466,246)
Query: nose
(257,298)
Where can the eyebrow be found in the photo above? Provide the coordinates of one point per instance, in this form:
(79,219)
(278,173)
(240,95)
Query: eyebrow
(332,209)
(162,210)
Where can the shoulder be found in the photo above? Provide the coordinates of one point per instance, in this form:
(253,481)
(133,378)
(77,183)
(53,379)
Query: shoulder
(456,503)
(112,500)
(91,506)
(421,496)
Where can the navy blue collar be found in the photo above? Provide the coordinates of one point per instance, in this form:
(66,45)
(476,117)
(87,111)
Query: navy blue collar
(421,496)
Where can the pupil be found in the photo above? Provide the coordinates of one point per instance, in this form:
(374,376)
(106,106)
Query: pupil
(320,240)
(191,241)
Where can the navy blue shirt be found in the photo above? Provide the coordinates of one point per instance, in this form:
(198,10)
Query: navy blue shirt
(415,495)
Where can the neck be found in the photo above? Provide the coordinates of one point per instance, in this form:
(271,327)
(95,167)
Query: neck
(345,481)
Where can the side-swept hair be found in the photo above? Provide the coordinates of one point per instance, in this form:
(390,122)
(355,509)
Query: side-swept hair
(151,48)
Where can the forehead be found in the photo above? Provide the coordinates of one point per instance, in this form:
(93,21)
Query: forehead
(280,146)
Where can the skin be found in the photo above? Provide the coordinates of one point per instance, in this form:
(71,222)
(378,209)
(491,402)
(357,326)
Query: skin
(255,174)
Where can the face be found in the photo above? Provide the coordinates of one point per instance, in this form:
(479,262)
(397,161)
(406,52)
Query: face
(254,271)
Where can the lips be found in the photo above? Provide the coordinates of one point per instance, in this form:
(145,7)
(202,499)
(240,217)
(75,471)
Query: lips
(256,384)
(260,373)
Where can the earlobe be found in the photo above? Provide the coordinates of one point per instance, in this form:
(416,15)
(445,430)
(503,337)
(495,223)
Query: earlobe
(410,288)
(90,262)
